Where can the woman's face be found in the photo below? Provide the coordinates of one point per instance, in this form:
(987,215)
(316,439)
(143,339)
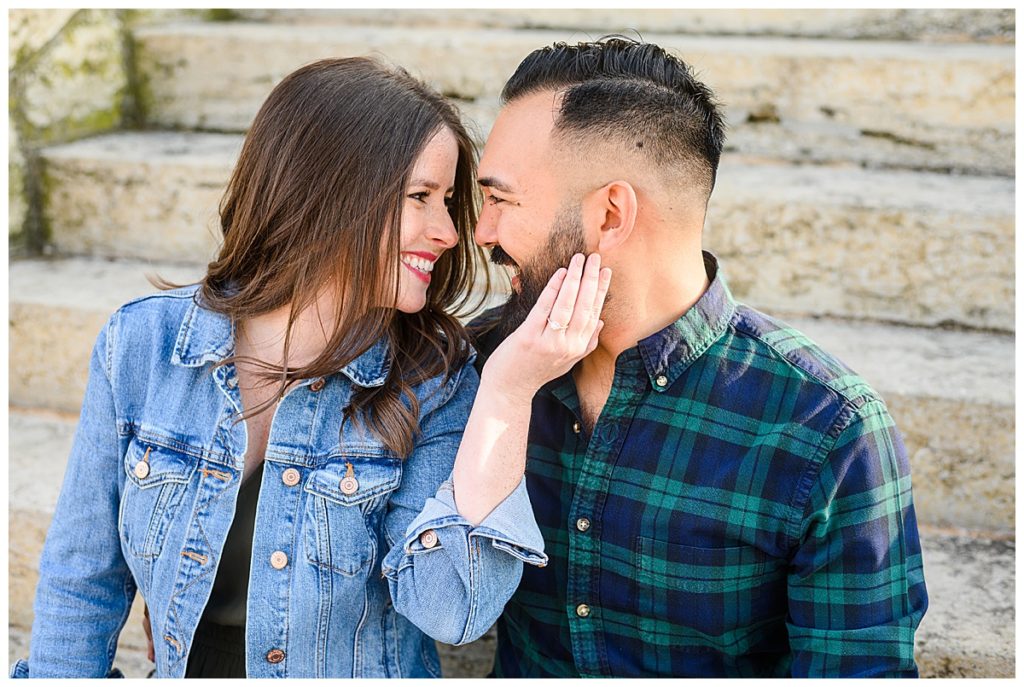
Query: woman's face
(427,227)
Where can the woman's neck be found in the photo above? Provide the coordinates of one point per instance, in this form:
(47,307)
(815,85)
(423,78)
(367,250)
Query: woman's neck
(262,337)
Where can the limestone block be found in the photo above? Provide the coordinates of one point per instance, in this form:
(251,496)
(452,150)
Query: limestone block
(30,30)
(968,630)
(75,86)
(135,195)
(891,24)
(907,247)
(951,395)
(57,308)
(925,97)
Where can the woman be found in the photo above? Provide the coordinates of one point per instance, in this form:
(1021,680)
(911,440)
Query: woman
(264,455)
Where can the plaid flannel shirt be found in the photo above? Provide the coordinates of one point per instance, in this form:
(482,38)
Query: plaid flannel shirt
(741,508)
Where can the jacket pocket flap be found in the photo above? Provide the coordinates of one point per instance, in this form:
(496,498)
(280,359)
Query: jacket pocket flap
(369,477)
(149,465)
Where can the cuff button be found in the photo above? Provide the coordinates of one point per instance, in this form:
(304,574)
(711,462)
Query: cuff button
(428,539)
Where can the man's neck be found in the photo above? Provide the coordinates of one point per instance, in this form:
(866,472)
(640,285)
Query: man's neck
(646,302)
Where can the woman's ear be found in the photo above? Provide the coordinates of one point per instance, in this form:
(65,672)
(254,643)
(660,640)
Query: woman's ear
(612,208)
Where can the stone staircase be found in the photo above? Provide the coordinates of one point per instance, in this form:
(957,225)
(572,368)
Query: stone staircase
(866,195)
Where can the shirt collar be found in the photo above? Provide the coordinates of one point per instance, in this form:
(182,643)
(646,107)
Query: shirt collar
(667,353)
(207,336)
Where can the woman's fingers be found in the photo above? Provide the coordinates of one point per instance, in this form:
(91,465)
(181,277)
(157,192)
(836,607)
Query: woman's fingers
(537,318)
(561,314)
(583,313)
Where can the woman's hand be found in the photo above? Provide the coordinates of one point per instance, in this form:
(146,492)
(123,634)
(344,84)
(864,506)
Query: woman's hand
(561,329)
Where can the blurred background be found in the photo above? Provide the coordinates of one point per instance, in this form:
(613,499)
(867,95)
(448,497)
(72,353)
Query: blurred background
(866,196)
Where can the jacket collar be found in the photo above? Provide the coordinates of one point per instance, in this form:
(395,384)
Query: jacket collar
(208,337)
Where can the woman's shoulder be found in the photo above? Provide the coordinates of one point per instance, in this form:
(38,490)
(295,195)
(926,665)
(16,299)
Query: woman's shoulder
(155,318)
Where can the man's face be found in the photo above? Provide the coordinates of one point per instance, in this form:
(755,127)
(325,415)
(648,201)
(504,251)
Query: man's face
(525,218)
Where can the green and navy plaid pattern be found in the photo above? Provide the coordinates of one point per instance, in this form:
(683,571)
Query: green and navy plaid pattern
(742,508)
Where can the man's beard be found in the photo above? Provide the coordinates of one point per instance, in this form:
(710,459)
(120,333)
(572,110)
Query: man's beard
(564,240)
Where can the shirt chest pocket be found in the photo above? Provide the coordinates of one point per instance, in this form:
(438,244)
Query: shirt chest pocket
(698,599)
(345,500)
(157,480)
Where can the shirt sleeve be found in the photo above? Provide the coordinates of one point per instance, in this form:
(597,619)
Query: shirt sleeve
(85,588)
(856,582)
(448,577)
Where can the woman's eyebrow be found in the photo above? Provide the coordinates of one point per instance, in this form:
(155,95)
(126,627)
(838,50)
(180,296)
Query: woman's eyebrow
(432,185)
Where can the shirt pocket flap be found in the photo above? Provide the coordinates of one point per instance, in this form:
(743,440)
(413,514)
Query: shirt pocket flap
(700,570)
(370,476)
(150,465)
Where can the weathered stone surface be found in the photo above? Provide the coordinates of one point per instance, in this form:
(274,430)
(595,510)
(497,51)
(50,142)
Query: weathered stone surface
(16,202)
(56,310)
(906,247)
(968,630)
(952,397)
(74,87)
(30,30)
(889,24)
(139,195)
(937,98)
(900,246)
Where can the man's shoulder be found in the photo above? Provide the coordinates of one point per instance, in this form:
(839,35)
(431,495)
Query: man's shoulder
(793,350)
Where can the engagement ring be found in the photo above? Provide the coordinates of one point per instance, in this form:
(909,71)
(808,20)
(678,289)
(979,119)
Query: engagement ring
(557,327)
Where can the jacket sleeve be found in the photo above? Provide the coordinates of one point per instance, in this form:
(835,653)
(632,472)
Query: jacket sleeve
(448,577)
(85,588)
(856,583)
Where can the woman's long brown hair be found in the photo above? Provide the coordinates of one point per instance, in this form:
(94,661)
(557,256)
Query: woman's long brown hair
(316,200)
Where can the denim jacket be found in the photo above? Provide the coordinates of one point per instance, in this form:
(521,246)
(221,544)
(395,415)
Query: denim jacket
(375,553)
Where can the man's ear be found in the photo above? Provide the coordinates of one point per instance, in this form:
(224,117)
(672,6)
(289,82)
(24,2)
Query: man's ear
(612,208)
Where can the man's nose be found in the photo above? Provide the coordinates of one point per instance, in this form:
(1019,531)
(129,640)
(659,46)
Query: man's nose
(485,234)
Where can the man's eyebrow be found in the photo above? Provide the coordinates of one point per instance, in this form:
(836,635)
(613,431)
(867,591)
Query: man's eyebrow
(491,182)
(432,185)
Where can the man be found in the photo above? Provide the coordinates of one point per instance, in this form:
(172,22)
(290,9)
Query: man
(717,495)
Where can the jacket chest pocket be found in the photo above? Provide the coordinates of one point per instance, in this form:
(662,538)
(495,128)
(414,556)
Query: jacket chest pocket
(697,599)
(157,479)
(343,506)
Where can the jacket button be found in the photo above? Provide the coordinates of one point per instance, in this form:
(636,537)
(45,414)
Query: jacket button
(290,477)
(583,524)
(275,656)
(583,610)
(142,470)
(279,559)
(349,486)
(428,539)
(317,384)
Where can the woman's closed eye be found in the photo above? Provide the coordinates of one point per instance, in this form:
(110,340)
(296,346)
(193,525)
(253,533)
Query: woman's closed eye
(494,200)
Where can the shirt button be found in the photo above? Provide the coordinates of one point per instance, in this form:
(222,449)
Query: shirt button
(279,559)
(317,385)
(142,470)
(290,477)
(576,427)
(661,380)
(583,524)
(583,610)
(428,539)
(275,656)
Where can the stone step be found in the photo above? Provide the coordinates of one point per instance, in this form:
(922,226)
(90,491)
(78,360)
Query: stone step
(950,392)
(919,101)
(967,632)
(912,247)
(996,26)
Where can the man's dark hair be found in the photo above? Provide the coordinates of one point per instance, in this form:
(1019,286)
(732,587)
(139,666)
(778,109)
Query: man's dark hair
(634,93)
